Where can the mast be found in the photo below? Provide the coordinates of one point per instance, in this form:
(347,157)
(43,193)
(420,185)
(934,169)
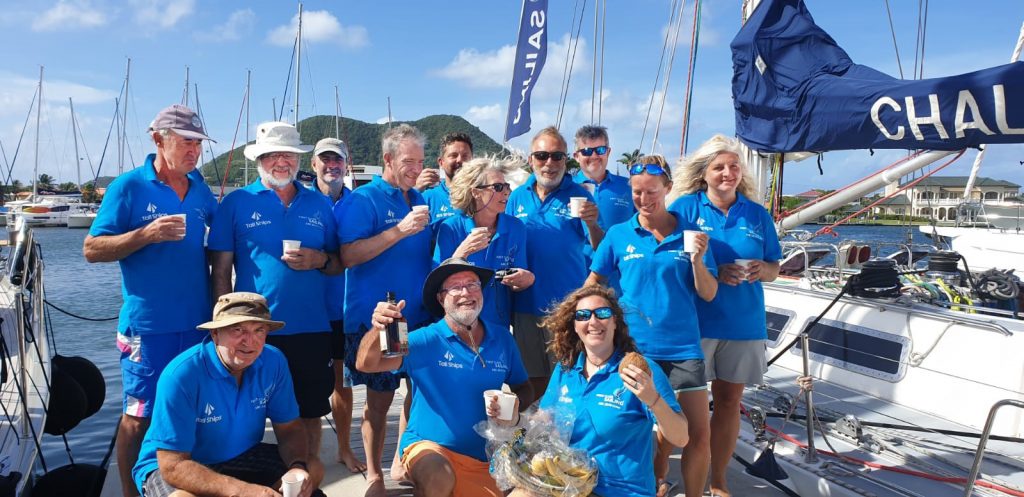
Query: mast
(184,93)
(123,135)
(389,112)
(337,114)
(298,67)
(248,80)
(39,113)
(74,134)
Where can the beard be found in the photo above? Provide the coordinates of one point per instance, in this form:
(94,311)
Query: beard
(463,316)
(269,179)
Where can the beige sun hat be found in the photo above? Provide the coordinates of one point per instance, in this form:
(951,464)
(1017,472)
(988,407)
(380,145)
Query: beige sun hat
(275,136)
(239,307)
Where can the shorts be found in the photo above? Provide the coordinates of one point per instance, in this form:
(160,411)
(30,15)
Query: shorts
(378,382)
(735,361)
(532,341)
(143,358)
(686,375)
(260,465)
(309,361)
(472,477)
(338,340)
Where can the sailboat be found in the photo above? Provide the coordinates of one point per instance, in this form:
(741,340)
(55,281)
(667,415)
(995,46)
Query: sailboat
(918,379)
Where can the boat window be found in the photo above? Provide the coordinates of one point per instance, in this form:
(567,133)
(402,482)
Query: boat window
(777,319)
(859,349)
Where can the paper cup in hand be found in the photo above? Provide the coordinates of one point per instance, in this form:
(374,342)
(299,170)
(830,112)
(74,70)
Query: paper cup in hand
(479,229)
(745,265)
(506,403)
(291,245)
(575,204)
(690,241)
(292,485)
(420,208)
(183,218)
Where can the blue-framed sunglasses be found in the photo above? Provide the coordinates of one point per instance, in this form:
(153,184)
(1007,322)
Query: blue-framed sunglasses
(601,312)
(652,169)
(587,152)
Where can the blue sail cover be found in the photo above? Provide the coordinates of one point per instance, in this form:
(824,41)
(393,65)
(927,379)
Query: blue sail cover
(795,89)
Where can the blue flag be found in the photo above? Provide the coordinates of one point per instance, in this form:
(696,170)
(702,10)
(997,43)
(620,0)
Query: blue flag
(531,52)
(795,89)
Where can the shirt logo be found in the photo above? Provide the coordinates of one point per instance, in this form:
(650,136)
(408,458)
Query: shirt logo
(449,361)
(313,221)
(261,402)
(703,225)
(255,216)
(520,213)
(391,218)
(448,355)
(564,395)
(444,208)
(256,220)
(151,208)
(630,251)
(153,214)
(630,248)
(613,400)
(209,417)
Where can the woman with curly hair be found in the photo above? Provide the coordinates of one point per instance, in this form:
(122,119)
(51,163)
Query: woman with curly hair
(611,408)
(717,194)
(649,255)
(484,235)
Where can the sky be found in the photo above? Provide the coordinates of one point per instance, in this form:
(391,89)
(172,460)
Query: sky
(433,57)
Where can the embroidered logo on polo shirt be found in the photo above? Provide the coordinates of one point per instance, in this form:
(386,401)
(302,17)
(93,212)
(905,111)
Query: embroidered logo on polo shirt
(564,395)
(753,232)
(630,251)
(153,214)
(612,400)
(449,361)
(151,208)
(703,225)
(391,218)
(520,213)
(498,365)
(256,220)
(209,416)
(313,221)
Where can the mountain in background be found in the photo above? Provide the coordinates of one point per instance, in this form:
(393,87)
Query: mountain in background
(363,141)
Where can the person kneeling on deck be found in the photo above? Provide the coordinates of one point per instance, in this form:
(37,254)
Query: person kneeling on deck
(211,408)
(451,363)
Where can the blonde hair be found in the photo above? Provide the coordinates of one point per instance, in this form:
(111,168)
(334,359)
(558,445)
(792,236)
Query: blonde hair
(472,175)
(690,170)
(655,159)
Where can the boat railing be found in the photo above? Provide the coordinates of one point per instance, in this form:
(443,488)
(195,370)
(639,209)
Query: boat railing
(979,454)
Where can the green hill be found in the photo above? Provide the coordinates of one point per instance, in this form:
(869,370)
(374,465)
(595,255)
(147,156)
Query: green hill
(363,141)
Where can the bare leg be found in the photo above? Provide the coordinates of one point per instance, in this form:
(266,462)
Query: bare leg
(433,476)
(397,468)
(341,412)
(725,427)
(697,453)
(374,427)
(129,440)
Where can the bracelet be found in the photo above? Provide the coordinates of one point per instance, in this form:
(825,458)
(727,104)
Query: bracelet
(654,403)
(299,463)
(327,261)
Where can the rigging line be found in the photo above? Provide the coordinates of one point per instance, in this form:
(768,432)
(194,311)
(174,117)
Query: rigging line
(694,39)
(668,75)
(657,76)
(834,192)
(924,32)
(79,129)
(571,63)
(103,154)
(288,77)
(600,87)
(202,119)
(17,148)
(593,70)
(231,151)
(565,65)
(895,46)
(312,88)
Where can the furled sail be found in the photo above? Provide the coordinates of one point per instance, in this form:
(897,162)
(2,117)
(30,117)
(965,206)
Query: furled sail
(795,89)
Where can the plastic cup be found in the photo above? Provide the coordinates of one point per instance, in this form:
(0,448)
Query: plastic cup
(291,245)
(690,241)
(420,208)
(743,263)
(575,204)
(183,218)
(292,485)
(479,229)
(506,403)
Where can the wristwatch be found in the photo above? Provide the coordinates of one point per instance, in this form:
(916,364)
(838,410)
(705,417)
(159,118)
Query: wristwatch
(327,261)
(299,464)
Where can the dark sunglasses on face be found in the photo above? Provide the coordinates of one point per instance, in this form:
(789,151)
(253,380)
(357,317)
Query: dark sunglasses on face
(543,155)
(652,169)
(601,312)
(587,152)
(497,187)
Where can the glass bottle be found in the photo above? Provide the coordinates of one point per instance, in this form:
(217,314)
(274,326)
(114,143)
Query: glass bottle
(394,338)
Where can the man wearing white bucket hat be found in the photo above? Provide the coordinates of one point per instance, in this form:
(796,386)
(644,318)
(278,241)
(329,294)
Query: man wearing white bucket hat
(280,239)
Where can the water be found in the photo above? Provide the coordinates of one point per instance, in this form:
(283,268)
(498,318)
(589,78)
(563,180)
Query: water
(94,290)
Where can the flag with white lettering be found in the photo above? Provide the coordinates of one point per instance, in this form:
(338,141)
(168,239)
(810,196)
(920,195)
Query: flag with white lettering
(531,52)
(795,89)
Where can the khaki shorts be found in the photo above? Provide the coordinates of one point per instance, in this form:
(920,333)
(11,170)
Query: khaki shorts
(532,341)
(734,361)
(472,477)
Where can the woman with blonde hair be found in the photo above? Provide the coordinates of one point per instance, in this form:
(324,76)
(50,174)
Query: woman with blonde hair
(649,254)
(484,235)
(716,192)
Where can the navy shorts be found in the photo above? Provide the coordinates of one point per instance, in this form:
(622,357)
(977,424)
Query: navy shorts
(379,382)
(309,361)
(338,340)
(143,358)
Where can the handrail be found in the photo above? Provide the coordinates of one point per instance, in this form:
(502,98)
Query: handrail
(979,455)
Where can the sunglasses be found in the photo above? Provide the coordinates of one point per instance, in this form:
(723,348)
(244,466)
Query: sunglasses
(601,312)
(543,155)
(497,187)
(652,169)
(587,152)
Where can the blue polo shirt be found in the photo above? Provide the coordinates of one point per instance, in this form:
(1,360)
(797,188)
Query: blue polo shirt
(200,408)
(440,202)
(158,270)
(335,284)
(658,295)
(614,198)
(447,400)
(252,224)
(554,243)
(402,268)
(747,232)
(610,423)
(506,250)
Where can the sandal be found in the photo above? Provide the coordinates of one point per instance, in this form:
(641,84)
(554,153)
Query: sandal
(667,485)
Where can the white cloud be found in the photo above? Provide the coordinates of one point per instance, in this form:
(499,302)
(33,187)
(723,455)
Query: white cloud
(162,13)
(238,24)
(69,14)
(319,26)
(478,114)
(709,37)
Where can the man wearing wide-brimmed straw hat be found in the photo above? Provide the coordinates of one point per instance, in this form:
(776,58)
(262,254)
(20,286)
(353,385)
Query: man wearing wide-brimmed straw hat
(211,409)
(280,239)
(152,223)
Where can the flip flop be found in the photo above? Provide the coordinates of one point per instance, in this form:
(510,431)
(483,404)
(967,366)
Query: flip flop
(669,485)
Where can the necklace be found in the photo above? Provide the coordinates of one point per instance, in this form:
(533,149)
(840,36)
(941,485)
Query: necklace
(474,348)
(597,364)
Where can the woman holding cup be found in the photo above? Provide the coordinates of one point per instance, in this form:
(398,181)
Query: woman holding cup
(661,258)
(485,235)
(715,192)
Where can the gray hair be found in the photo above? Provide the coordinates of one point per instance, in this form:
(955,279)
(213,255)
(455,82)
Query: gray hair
(394,137)
(591,132)
(473,174)
(689,170)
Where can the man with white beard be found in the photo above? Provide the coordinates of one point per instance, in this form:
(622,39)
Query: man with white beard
(249,234)
(452,363)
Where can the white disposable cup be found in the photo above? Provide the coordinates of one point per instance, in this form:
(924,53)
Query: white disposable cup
(575,204)
(745,264)
(183,218)
(292,485)
(690,241)
(479,229)
(589,187)
(506,403)
(291,245)
(420,208)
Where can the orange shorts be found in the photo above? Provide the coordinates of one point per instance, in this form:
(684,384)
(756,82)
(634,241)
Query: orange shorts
(472,477)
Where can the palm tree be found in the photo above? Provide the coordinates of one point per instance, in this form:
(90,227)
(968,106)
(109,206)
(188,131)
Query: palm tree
(629,159)
(45,182)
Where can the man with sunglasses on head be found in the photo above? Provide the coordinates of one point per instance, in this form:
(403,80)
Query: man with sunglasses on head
(455,150)
(554,243)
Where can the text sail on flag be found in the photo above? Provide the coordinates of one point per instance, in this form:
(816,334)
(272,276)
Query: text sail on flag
(531,52)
